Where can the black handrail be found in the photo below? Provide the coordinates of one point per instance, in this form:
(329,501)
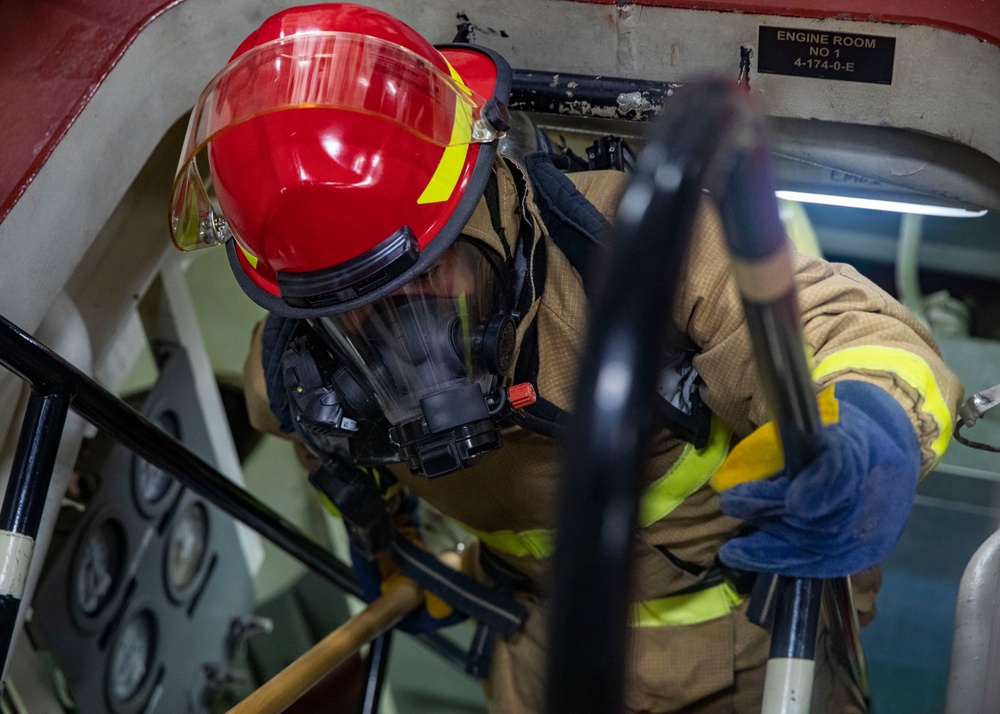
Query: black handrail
(50,374)
(24,499)
(709,138)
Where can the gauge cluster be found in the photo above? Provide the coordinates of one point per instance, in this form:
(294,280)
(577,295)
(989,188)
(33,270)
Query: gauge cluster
(139,606)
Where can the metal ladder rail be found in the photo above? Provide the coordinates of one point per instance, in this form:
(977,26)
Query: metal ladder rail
(57,387)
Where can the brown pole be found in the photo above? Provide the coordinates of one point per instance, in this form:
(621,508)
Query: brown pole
(278,693)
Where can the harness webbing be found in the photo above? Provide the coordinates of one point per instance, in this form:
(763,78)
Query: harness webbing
(490,606)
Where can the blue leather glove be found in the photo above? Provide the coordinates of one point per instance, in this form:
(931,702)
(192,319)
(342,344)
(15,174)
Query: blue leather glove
(379,575)
(841,513)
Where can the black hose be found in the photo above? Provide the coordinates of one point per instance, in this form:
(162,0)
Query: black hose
(708,139)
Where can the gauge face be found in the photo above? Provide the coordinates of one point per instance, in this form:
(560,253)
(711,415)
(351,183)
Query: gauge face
(186,547)
(131,657)
(151,484)
(98,568)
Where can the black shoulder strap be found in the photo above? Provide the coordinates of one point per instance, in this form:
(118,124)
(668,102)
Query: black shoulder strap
(278,333)
(543,417)
(575,224)
(577,228)
(580,231)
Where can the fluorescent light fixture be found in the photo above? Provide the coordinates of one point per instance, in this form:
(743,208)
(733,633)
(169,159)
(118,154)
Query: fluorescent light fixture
(878,205)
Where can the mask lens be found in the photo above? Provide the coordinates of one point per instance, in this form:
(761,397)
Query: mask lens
(425,338)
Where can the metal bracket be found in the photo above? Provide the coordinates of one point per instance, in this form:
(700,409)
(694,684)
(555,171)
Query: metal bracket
(483,132)
(972,411)
(978,404)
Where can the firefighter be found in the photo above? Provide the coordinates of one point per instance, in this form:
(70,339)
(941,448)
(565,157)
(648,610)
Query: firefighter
(428,302)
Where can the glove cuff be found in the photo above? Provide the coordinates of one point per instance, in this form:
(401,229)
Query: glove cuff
(884,411)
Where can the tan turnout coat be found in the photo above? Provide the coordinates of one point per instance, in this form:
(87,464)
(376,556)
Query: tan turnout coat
(713,666)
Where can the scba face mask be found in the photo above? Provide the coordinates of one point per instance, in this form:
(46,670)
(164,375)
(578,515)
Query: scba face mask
(432,355)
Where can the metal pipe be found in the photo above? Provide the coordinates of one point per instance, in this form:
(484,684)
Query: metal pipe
(35,363)
(24,501)
(708,139)
(908,265)
(375,669)
(38,365)
(844,616)
(791,664)
(973,684)
(588,96)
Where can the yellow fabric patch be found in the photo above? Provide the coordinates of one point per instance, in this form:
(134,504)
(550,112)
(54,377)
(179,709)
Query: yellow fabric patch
(436,607)
(388,493)
(799,228)
(756,457)
(829,406)
(708,604)
(760,455)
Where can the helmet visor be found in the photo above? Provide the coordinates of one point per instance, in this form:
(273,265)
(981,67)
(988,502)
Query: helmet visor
(426,337)
(331,70)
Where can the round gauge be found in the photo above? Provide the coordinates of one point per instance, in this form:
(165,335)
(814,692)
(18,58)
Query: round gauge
(186,548)
(151,485)
(97,571)
(130,662)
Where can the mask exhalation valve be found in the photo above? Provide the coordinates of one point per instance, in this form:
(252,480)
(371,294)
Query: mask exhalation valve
(460,427)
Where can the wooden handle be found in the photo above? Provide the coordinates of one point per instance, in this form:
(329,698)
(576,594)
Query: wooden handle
(278,693)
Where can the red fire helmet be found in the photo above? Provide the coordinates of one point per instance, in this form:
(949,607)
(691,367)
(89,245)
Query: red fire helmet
(346,153)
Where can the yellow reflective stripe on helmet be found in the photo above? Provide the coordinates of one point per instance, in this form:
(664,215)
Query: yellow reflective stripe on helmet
(689,473)
(907,366)
(702,606)
(537,543)
(252,259)
(449,168)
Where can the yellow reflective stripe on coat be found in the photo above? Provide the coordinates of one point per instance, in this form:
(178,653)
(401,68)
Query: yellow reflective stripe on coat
(907,366)
(702,606)
(689,473)
(449,168)
(537,543)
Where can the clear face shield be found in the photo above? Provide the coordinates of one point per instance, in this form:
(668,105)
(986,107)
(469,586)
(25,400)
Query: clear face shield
(333,70)
(434,353)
